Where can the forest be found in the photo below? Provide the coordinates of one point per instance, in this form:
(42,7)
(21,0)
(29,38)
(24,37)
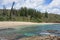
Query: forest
(27,15)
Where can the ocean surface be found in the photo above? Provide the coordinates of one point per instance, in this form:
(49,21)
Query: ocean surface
(41,30)
(33,30)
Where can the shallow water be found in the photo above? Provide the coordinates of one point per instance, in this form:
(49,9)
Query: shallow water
(33,30)
(40,29)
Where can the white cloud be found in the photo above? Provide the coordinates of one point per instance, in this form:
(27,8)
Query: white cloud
(29,4)
(53,7)
(37,4)
(9,1)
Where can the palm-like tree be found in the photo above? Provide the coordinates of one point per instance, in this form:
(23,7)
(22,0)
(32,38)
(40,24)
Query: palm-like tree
(11,12)
(4,10)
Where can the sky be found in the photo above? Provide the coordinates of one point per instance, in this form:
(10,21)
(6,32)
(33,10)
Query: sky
(51,6)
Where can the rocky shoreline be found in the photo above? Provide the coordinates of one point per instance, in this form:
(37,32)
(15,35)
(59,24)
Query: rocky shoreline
(41,38)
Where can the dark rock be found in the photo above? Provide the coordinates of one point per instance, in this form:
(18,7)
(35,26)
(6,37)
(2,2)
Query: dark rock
(52,31)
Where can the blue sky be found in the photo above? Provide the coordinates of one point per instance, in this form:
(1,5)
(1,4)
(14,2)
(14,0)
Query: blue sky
(52,6)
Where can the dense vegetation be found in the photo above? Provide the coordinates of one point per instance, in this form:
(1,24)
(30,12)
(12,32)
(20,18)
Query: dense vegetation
(27,14)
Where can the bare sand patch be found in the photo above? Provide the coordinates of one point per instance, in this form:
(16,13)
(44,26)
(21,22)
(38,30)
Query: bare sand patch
(12,24)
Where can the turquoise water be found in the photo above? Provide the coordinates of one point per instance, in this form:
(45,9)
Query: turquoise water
(33,30)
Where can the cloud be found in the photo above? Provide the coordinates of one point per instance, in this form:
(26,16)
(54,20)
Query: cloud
(32,3)
(5,2)
(8,3)
(52,6)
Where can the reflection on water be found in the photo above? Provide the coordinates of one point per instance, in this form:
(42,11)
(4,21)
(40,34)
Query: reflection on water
(33,30)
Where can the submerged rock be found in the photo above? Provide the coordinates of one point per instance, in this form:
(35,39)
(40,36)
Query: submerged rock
(7,29)
(52,31)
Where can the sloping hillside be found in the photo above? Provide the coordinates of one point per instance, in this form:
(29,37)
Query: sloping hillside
(28,14)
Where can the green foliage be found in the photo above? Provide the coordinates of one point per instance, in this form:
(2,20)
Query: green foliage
(1,19)
(27,14)
(46,14)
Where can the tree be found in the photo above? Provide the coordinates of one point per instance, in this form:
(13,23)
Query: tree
(11,12)
(30,13)
(4,11)
(46,14)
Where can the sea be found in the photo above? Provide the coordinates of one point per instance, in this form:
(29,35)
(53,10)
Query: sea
(32,30)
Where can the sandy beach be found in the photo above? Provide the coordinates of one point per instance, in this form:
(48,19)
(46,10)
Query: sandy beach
(12,24)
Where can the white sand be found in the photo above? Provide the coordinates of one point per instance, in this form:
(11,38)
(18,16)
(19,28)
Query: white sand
(11,24)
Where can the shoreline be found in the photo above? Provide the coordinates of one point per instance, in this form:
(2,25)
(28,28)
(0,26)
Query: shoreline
(12,24)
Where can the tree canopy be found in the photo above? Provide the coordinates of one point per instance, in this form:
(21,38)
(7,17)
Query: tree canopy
(27,14)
